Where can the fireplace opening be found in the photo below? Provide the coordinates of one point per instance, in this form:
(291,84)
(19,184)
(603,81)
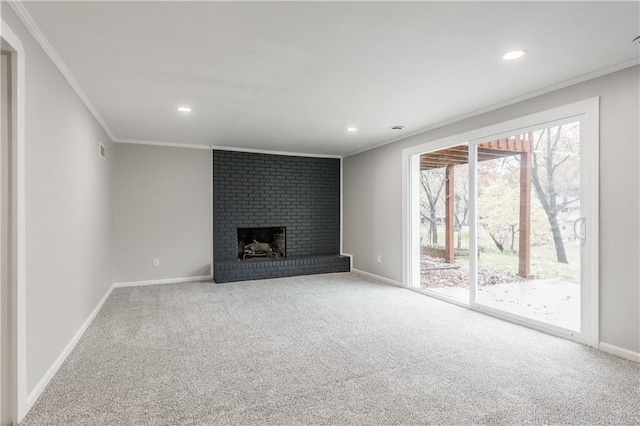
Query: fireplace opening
(261,243)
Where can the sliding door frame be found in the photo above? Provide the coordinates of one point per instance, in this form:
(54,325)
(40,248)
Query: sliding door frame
(587,112)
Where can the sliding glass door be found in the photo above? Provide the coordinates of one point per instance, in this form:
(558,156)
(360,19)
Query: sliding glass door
(498,223)
(529,225)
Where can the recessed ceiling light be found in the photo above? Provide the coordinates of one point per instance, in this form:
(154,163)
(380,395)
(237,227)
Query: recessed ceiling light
(352,129)
(184,109)
(636,41)
(514,54)
(396,127)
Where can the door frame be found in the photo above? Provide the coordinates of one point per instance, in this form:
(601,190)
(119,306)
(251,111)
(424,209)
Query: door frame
(17,201)
(588,112)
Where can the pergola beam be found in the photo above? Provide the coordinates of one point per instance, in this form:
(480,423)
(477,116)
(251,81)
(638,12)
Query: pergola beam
(460,154)
(449,193)
(450,157)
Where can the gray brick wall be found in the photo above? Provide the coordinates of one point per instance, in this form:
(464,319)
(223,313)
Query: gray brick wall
(263,190)
(264,269)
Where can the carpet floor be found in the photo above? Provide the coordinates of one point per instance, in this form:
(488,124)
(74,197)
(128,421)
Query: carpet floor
(324,349)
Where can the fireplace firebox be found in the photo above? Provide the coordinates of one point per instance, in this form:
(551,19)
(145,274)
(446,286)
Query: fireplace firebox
(262,243)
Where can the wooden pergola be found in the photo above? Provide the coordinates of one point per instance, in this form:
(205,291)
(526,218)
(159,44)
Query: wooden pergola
(449,158)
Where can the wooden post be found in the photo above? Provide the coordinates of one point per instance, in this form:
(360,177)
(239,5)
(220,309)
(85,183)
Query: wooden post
(449,213)
(526,158)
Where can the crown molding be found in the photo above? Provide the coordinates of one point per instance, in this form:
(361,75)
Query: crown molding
(221,148)
(159,143)
(512,101)
(37,34)
(265,151)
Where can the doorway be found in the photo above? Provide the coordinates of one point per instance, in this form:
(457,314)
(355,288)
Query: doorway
(6,317)
(503,220)
(13,394)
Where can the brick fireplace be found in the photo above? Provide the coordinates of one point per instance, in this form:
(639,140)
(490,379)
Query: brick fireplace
(275,200)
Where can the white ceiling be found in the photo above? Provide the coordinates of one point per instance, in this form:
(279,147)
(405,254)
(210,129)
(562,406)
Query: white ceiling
(292,76)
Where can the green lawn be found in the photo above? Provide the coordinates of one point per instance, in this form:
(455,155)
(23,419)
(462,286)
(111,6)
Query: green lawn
(543,262)
(543,258)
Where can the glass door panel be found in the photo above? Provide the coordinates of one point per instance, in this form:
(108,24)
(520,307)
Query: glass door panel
(529,225)
(444,227)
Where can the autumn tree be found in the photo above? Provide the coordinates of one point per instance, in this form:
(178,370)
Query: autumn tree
(432,183)
(461,209)
(499,204)
(499,214)
(555,175)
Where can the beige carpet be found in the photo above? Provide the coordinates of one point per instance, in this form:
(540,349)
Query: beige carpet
(325,349)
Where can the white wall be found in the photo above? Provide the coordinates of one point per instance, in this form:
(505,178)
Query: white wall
(373,199)
(68,210)
(162,209)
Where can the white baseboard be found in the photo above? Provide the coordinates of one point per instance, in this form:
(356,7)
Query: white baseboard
(621,352)
(377,277)
(163,281)
(44,381)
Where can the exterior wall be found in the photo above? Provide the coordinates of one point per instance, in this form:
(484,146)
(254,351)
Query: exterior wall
(373,196)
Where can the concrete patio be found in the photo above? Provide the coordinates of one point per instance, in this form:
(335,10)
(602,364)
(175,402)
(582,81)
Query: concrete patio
(553,301)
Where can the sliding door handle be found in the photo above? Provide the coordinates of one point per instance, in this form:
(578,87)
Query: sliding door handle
(580,229)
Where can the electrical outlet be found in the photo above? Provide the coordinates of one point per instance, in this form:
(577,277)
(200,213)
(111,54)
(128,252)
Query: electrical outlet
(379,259)
(156,262)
